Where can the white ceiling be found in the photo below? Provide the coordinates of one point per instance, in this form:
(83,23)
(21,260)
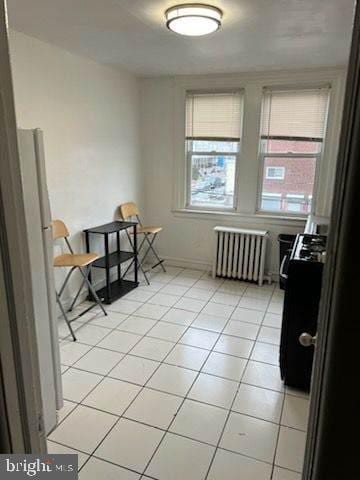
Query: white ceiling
(256,34)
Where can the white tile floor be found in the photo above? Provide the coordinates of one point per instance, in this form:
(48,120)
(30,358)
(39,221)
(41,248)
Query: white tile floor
(181,382)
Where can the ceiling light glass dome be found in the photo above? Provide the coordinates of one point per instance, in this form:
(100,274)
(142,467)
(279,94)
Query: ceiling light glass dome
(193,19)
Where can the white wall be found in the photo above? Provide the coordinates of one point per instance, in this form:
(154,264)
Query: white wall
(91,122)
(187,238)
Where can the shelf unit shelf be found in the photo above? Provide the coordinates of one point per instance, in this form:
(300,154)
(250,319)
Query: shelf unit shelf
(119,288)
(115,259)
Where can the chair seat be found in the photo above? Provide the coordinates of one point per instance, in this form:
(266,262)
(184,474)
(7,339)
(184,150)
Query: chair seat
(75,259)
(149,229)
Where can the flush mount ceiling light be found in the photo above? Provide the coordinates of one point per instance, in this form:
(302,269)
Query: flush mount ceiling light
(193,19)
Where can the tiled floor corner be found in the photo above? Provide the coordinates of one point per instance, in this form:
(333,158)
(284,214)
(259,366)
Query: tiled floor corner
(181,382)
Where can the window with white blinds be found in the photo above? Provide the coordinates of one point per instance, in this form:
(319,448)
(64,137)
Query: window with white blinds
(213,130)
(293,126)
(214,116)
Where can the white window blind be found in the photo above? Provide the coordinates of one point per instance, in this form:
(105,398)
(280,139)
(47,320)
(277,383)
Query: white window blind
(214,116)
(295,114)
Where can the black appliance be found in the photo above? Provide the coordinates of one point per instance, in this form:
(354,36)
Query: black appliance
(301,307)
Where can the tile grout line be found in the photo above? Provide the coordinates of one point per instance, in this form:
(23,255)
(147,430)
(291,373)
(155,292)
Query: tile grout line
(178,343)
(278,433)
(173,433)
(195,379)
(161,363)
(171,341)
(186,396)
(73,365)
(179,396)
(142,335)
(116,328)
(230,411)
(117,421)
(146,334)
(92,347)
(142,388)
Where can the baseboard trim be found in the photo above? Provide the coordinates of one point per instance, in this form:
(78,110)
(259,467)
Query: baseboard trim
(275,276)
(187,263)
(199,265)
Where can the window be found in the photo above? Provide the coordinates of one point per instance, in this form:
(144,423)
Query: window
(275,173)
(213,129)
(292,136)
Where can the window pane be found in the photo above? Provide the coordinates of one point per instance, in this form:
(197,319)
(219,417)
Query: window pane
(213,146)
(212,180)
(292,193)
(290,146)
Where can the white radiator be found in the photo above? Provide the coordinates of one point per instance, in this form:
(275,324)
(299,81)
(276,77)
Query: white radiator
(240,254)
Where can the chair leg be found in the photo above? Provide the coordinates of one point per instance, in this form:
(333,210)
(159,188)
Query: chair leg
(76,296)
(140,267)
(65,317)
(65,281)
(139,259)
(92,290)
(144,273)
(132,261)
(150,243)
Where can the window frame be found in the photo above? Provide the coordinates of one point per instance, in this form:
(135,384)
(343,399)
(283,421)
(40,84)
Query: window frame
(188,153)
(318,158)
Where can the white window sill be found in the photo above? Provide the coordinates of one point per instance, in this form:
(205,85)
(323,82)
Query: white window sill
(253,218)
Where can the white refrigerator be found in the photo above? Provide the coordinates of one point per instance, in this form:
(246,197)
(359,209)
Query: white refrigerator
(39,236)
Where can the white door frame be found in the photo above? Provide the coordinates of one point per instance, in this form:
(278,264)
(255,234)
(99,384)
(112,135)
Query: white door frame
(19,368)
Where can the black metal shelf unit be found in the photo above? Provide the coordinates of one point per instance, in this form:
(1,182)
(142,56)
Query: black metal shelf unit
(118,288)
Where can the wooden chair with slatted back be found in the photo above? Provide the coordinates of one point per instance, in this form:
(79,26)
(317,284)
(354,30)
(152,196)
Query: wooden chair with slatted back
(80,261)
(130,211)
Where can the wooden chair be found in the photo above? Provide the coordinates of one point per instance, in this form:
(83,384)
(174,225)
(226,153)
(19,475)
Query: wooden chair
(81,261)
(129,211)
